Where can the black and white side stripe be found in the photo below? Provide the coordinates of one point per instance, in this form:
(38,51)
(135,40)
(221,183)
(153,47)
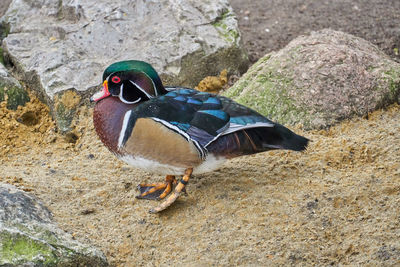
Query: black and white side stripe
(124,134)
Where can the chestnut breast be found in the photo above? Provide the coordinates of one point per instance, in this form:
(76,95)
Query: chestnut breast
(108,116)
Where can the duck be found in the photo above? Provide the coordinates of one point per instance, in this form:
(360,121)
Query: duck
(177,131)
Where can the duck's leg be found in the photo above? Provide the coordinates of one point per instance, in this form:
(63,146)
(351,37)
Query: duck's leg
(156,191)
(174,195)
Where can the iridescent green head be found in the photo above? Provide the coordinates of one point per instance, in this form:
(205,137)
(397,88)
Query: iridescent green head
(132,81)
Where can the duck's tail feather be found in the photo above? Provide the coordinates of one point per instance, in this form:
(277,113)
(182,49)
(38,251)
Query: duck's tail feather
(253,140)
(285,138)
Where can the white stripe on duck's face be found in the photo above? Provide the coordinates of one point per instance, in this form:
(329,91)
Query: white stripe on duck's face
(210,164)
(124,98)
(131,86)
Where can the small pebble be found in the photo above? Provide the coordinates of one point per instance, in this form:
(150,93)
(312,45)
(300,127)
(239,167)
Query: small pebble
(87,211)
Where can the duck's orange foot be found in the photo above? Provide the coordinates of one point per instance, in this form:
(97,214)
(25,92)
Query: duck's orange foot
(156,191)
(179,188)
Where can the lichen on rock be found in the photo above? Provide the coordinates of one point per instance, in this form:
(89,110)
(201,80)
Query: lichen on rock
(226,25)
(65,106)
(19,249)
(28,235)
(16,96)
(11,90)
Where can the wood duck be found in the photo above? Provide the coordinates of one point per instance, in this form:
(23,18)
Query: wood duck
(176,130)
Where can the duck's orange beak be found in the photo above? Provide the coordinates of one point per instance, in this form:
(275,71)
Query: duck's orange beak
(101,94)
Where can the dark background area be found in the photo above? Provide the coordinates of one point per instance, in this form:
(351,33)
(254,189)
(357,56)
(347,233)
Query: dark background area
(270,25)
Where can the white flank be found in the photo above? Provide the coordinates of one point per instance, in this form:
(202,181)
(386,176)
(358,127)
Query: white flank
(210,164)
(152,166)
(123,128)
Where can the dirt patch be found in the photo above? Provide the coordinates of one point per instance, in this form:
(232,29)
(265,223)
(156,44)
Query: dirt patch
(70,99)
(27,126)
(271,25)
(337,203)
(214,84)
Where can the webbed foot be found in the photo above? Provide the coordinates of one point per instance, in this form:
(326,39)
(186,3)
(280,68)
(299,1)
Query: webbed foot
(175,194)
(156,191)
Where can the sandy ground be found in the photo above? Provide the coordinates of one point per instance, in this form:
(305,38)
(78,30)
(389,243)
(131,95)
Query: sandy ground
(337,203)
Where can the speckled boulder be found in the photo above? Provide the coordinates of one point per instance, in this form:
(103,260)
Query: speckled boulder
(29,237)
(319,79)
(66,45)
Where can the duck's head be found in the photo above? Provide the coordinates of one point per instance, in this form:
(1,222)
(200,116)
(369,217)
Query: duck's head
(131,81)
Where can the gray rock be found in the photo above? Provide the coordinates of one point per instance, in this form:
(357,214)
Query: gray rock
(4,6)
(319,79)
(66,45)
(6,78)
(29,237)
(11,90)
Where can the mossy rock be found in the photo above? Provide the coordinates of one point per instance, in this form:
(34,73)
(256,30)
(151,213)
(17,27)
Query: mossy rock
(319,79)
(2,95)
(16,96)
(29,237)
(268,91)
(1,55)
(65,105)
(227,26)
(11,90)
(19,249)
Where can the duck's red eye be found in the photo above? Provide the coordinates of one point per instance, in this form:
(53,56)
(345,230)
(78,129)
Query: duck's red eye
(115,79)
